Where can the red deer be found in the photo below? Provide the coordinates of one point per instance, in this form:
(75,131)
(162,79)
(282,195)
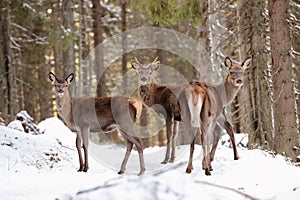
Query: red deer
(215,98)
(96,114)
(165,99)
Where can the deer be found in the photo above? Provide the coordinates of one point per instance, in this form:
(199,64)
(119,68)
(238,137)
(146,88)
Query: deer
(163,98)
(168,100)
(98,114)
(213,101)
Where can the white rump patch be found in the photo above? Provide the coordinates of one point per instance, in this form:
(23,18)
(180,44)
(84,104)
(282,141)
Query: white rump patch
(195,110)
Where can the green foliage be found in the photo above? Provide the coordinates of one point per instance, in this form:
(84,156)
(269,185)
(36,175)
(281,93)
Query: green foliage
(172,11)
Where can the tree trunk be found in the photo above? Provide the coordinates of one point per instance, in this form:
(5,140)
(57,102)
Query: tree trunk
(57,45)
(243,107)
(68,56)
(124,44)
(286,135)
(261,104)
(203,40)
(99,67)
(7,81)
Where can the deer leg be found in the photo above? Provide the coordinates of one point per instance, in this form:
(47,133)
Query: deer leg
(216,137)
(206,150)
(230,132)
(173,140)
(128,151)
(169,124)
(190,165)
(141,157)
(78,147)
(139,145)
(85,139)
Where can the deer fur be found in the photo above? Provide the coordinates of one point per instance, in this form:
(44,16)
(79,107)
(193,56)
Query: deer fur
(215,98)
(168,100)
(163,98)
(98,114)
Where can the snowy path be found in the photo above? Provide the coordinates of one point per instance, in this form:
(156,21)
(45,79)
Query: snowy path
(44,167)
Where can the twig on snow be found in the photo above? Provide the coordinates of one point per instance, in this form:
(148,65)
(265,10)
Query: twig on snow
(227,188)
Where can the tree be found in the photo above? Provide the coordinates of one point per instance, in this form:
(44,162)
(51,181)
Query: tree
(286,135)
(98,37)
(262,102)
(7,73)
(68,57)
(255,98)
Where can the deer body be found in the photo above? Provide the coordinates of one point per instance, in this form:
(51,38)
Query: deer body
(163,98)
(99,114)
(215,99)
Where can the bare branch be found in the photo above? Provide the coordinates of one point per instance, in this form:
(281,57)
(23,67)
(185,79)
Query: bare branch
(227,188)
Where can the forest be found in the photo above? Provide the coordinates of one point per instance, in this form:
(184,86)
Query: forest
(97,39)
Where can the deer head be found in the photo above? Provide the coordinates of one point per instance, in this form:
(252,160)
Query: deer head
(61,85)
(236,72)
(145,70)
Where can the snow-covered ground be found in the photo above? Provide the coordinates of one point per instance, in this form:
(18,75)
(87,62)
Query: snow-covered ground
(45,167)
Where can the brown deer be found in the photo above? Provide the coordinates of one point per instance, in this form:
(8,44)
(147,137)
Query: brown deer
(97,114)
(163,98)
(167,99)
(215,98)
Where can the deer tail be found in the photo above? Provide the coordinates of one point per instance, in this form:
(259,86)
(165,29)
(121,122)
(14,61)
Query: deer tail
(195,97)
(138,105)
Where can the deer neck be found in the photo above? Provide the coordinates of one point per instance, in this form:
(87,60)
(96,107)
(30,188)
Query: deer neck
(230,91)
(147,93)
(64,105)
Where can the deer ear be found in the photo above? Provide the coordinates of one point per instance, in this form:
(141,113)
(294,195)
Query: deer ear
(228,62)
(70,78)
(155,65)
(134,65)
(52,77)
(246,64)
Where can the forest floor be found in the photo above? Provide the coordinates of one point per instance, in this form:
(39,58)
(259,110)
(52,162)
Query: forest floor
(45,167)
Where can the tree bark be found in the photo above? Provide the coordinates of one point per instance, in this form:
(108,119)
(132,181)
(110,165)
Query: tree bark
(99,67)
(7,81)
(262,102)
(124,43)
(286,135)
(243,108)
(68,56)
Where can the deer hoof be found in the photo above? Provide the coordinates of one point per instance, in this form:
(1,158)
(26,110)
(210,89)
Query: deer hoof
(207,172)
(236,157)
(80,169)
(188,170)
(141,173)
(85,169)
(172,160)
(164,162)
(121,172)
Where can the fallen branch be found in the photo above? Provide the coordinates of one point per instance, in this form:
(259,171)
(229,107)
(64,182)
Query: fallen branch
(106,184)
(227,188)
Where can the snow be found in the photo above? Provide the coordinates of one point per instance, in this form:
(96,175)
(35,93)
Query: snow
(45,167)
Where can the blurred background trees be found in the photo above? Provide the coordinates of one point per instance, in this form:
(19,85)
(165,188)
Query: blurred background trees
(60,35)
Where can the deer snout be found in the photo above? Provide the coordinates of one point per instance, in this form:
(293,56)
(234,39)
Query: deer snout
(239,81)
(144,79)
(60,92)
